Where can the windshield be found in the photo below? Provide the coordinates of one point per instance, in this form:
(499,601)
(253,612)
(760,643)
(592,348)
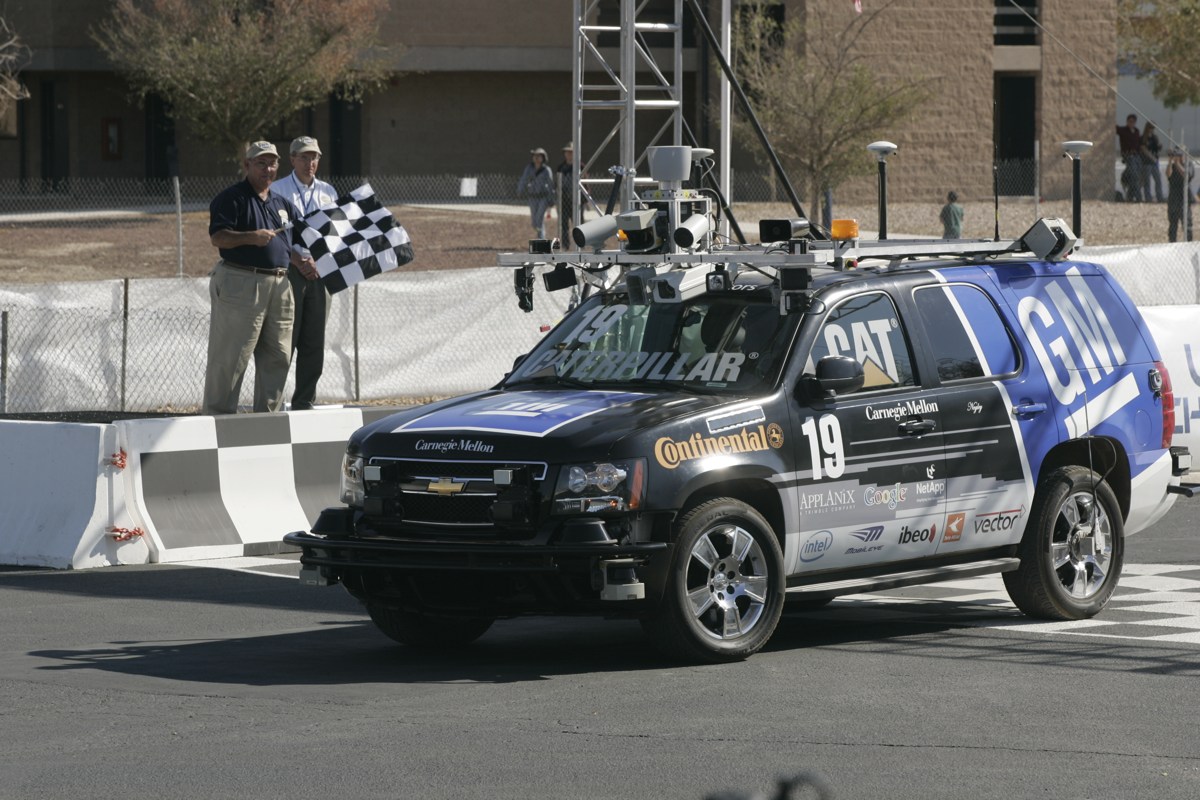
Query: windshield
(711,343)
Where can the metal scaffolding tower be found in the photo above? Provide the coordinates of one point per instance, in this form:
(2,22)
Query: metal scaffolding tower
(604,89)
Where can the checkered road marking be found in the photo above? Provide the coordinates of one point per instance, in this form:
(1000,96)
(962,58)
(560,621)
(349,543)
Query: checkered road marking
(1153,603)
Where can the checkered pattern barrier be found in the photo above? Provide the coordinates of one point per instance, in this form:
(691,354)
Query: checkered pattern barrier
(158,490)
(211,487)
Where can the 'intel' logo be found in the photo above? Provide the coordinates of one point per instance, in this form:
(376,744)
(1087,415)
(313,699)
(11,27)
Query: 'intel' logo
(816,546)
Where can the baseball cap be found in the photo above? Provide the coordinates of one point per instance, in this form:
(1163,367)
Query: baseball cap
(538,151)
(305,144)
(257,149)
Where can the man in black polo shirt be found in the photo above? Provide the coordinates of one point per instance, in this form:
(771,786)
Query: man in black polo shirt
(252,304)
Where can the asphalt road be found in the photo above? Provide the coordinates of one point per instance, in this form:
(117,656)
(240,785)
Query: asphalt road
(187,681)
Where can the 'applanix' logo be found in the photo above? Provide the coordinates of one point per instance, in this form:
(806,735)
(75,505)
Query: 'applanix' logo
(671,453)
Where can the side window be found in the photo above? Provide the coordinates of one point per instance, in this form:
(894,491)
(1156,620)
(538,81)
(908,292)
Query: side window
(867,328)
(966,333)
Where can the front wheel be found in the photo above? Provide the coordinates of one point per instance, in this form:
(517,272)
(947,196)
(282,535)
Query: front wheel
(1072,551)
(725,588)
(412,628)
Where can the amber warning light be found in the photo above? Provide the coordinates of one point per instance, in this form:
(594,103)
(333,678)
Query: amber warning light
(843,229)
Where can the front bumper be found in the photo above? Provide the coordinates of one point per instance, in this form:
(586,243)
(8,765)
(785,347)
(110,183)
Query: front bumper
(389,554)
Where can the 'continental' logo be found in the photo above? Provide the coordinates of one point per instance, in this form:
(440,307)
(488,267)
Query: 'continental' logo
(671,453)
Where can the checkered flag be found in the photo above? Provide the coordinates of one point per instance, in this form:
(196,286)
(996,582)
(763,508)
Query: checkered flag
(354,239)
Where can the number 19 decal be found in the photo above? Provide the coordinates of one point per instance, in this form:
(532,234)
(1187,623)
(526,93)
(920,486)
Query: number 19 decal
(824,436)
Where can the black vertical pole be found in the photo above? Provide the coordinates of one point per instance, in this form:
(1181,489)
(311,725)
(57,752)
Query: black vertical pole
(883,199)
(357,384)
(124,340)
(1076,196)
(3,362)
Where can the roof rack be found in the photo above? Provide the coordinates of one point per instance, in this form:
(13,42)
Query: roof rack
(1048,239)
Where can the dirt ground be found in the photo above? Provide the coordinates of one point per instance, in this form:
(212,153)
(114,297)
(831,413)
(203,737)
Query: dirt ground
(146,245)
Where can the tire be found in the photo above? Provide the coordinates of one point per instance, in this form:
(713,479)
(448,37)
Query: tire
(1069,568)
(725,587)
(412,628)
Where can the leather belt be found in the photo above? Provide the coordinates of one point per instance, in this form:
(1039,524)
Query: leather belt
(276,271)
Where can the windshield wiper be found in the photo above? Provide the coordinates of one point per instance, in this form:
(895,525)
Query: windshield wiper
(549,375)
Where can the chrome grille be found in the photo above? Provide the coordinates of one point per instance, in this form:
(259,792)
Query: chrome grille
(414,483)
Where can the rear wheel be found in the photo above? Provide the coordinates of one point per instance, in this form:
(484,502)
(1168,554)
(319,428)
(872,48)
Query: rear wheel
(1072,551)
(412,628)
(725,589)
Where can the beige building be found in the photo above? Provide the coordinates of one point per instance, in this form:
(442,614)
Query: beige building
(480,82)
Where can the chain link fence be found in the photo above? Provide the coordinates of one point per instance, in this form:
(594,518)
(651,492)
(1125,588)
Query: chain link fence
(140,345)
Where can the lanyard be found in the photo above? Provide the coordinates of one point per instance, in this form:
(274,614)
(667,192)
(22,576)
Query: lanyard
(305,201)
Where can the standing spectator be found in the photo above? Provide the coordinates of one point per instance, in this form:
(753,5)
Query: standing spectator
(537,183)
(252,306)
(566,203)
(952,217)
(1131,154)
(305,194)
(1151,148)
(1177,190)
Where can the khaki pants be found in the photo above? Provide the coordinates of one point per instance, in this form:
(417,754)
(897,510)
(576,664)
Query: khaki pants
(251,315)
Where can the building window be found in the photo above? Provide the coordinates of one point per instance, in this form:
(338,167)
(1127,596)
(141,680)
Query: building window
(1012,26)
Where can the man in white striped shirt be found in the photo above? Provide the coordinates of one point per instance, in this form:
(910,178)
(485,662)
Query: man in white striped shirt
(306,194)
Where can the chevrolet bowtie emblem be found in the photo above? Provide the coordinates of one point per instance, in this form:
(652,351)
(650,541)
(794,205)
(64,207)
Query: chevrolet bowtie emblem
(446,486)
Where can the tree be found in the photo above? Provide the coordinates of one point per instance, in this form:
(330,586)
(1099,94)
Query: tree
(816,97)
(232,69)
(13,55)
(1159,39)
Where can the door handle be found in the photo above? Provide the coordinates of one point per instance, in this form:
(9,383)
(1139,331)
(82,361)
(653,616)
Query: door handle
(916,427)
(1028,409)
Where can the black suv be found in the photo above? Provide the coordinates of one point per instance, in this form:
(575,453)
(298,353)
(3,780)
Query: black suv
(701,442)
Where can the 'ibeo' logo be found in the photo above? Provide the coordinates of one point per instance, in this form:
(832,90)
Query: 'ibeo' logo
(908,534)
(890,497)
(816,546)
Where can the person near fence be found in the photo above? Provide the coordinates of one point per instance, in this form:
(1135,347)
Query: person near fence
(537,184)
(1151,148)
(1179,193)
(306,193)
(1132,179)
(952,217)
(566,203)
(251,298)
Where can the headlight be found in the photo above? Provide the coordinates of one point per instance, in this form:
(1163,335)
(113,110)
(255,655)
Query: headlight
(352,480)
(609,486)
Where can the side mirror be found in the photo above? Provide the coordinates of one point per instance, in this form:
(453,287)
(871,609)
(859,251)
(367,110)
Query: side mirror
(835,375)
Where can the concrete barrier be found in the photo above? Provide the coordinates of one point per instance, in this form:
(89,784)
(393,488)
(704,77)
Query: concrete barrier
(171,489)
(63,494)
(214,487)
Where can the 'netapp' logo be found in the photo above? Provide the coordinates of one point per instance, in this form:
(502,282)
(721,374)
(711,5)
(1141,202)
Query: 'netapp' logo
(908,534)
